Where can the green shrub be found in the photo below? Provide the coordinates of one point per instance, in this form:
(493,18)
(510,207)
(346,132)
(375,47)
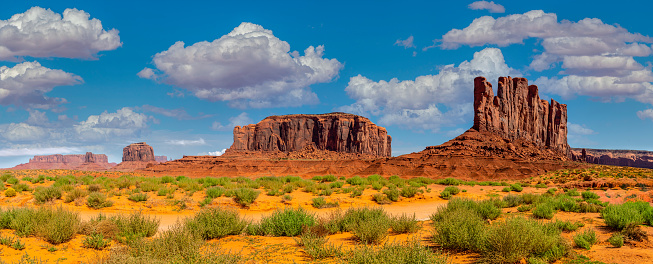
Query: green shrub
(513,200)
(506,189)
(163,192)
(544,210)
(17,245)
(585,239)
(373,230)
(138,197)
(12,180)
(356,192)
(97,200)
(486,209)
(10,192)
(448,181)
(96,241)
(589,195)
(445,195)
(409,191)
(214,192)
(519,238)
(619,216)
(540,185)
(458,228)
(316,246)
(393,194)
(525,208)
(648,216)
(21,187)
(74,194)
(336,185)
(134,226)
(572,192)
(215,223)
(404,224)
(566,226)
(47,194)
(94,188)
(245,196)
(380,198)
(616,240)
(167,179)
(356,180)
(287,222)
(516,187)
(529,198)
(409,252)
(54,225)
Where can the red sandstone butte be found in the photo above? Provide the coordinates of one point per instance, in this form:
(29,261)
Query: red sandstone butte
(338,132)
(136,156)
(88,161)
(517,112)
(614,157)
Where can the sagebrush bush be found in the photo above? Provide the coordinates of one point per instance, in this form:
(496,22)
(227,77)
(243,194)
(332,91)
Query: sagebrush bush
(74,195)
(380,198)
(485,209)
(96,241)
(371,231)
(566,226)
(616,240)
(585,239)
(138,197)
(134,226)
(619,216)
(46,194)
(97,200)
(544,210)
(215,192)
(287,222)
(587,195)
(409,252)
(54,225)
(316,246)
(409,191)
(458,228)
(404,223)
(245,196)
(516,187)
(513,200)
(392,194)
(445,195)
(215,223)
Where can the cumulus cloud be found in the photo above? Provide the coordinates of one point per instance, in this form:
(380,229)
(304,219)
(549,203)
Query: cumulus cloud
(239,120)
(489,6)
(14,152)
(179,113)
(123,123)
(249,67)
(428,102)
(406,43)
(217,153)
(184,142)
(26,84)
(577,129)
(645,114)
(597,58)
(22,132)
(42,33)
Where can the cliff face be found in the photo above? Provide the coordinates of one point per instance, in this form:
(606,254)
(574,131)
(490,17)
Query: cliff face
(517,112)
(630,158)
(138,152)
(88,161)
(337,132)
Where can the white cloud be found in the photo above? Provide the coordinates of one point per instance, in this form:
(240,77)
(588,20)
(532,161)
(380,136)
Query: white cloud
(217,153)
(430,101)
(577,129)
(106,126)
(184,142)
(147,73)
(485,5)
(597,58)
(26,83)
(249,67)
(22,132)
(9,152)
(644,114)
(239,120)
(179,113)
(406,43)
(42,33)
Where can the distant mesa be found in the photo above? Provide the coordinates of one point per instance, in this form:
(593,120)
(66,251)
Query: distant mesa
(336,132)
(630,158)
(88,161)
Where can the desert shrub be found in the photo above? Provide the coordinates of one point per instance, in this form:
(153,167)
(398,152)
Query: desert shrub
(356,192)
(337,184)
(589,195)
(54,225)
(485,209)
(566,203)
(21,187)
(167,179)
(544,210)
(316,246)
(616,240)
(392,194)
(516,187)
(585,239)
(648,216)
(452,189)
(551,191)
(214,192)
(373,230)
(134,226)
(584,207)
(164,192)
(525,208)
(409,191)
(12,180)
(506,189)
(448,181)
(96,241)
(458,228)
(287,222)
(42,195)
(566,226)
(357,180)
(74,195)
(409,252)
(635,232)
(380,198)
(137,197)
(529,198)
(245,196)
(97,200)
(445,195)
(10,192)
(572,192)
(513,200)
(215,223)
(94,188)
(326,192)
(619,216)
(519,238)
(540,185)
(404,224)
(286,198)
(320,202)
(329,178)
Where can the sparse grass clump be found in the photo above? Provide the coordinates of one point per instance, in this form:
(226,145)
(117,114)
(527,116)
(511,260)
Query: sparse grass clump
(214,192)
(134,226)
(97,200)
(287,222)
(74,195)
(409,252)
(54,225)
(616,240)
(619,216)
(585,239)
(404,224)
(544,210)
(46,194)
(96,241)
(245,196)
(215,223)
(459,229)
(138,197)
(315,245)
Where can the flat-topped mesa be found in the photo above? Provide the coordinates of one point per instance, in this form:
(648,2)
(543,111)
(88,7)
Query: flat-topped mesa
(517,112)
(339,132)
(72,159)
(138,152)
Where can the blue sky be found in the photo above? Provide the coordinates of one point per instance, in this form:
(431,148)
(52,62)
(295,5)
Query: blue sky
(79,76)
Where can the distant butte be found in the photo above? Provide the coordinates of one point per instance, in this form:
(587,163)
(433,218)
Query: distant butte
(136,156)
(515,135)
(88,161)
(614,157)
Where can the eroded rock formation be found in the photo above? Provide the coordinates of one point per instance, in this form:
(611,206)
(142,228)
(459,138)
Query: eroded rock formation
(338,132)
(160,158)
(88,161)
(630,158)
(517,112)
(138,152)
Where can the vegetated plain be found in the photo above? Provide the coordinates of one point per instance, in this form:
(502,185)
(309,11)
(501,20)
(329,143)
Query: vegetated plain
(599,214)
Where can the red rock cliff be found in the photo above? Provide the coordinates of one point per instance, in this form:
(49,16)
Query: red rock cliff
(630,158)
(517,112)
(338,132)
(138,152)
(74,158)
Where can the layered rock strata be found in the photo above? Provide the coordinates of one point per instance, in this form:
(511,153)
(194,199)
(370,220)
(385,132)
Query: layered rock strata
(517,112)
(338,132)
(630,158)
(136,156)
(88,161)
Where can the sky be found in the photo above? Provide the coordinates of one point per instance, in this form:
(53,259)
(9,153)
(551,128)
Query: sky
(79,76)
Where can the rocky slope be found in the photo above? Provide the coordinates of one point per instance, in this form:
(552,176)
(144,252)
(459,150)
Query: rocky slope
(338,132)
(88,161)
(630,158)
